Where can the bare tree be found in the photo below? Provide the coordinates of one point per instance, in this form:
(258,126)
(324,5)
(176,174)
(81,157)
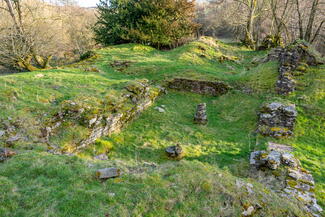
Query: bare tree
(251,5)
(306,31)
(18,47)
(31,31)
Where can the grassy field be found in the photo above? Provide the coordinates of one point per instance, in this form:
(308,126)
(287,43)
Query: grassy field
(216,155)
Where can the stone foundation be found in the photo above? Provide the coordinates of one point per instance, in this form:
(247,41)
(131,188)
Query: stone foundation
(200,87)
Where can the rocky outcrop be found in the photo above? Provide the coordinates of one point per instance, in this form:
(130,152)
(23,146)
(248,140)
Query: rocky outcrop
(277,119)
(279,170)
(201,114)
(200,87)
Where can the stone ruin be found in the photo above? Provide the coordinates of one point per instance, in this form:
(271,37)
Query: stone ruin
(201,114)
(201,87)
(280,171)
(289,61)
(277,120)
(138,96)
(294,60)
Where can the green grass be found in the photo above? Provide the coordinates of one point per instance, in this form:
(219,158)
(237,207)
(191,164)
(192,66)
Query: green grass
(227,139)
(38,183)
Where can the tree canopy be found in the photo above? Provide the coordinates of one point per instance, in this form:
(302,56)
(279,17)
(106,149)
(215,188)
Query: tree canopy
(159,23)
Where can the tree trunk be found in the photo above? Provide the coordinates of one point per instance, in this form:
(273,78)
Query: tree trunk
(301,30)
(13,16)
(311,20)
(249,38)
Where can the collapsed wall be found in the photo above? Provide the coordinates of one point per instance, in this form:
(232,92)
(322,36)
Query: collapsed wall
(280,171)
(77,124)
(138,97)
(198,86)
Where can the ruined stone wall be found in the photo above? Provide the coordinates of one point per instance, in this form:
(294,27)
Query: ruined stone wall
(280,171)
(201,87)
(77,124)
(277,119)
(138,97)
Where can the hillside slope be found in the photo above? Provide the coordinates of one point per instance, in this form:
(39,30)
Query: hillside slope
(206,182)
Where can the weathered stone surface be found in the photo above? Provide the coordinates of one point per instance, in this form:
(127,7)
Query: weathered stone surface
(273,55)
(271,160)
(279,147)
(13,138)
(289,160)
(279,170)
(249,211)
(108,173)
(5,154)
(200,87)
(301,175)
(277,120)
(120,63)
(2,133)
(101,157)
(201,114)
(160,109)
(174,151)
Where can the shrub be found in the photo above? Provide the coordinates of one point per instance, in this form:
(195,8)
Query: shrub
(87,55)
(159,23)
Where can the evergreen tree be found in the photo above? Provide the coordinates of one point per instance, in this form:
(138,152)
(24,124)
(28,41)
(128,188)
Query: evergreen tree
(159,23)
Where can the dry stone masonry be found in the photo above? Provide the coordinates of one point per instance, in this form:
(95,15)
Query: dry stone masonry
(277,120)
(289,61)
(201,114)
(279,170)
(201,87)
(294,60)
